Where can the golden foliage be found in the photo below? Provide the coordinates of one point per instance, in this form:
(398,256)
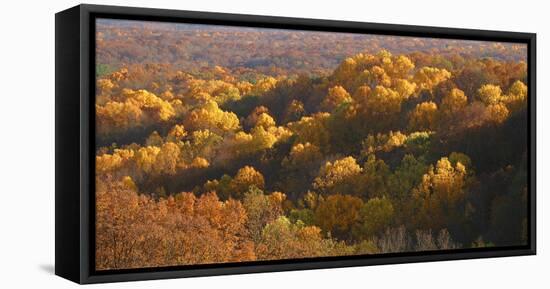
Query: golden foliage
(312,129)
(282,239)
(428,77)
(176,133)
(424,116)
(490,94)
(136,109)
(333,175)
(210,116)
(134,231)
(302,155)
(336,96)
(496,113)
(338,213)
(516,98)
(246,178)
(442,189)
(383,101)
(383,142)
(454,102)
(339,175)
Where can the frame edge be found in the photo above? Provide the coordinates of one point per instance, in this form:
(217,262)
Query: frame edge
(86,275)
(67,192)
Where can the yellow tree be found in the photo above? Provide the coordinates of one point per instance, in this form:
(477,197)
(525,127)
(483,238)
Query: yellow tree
(294,111)
(154,139)
(516,99)
(167,159)
(340,176)
(345,72)
(148,101)
(137,107)
(312,129)
(440,194)
(252,118)
(400,67)
(265,121)
(210,116)
(404,88)
(490,94)
(246,178)
(496,113)
(424,117)
(302,155)
(383,102)
(453,103)
(335,97)
(361,94)
(376,76)
(176,133)
(145,158)
(263,85)
(108,163)
(427,78)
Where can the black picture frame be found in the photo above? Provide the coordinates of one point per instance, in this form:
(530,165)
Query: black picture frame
(75,133)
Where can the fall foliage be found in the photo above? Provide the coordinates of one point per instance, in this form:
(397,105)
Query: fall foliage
(232,144)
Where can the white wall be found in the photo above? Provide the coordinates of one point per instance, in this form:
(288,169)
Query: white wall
(27,144)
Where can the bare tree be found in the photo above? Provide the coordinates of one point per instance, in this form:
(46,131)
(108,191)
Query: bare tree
(394,240)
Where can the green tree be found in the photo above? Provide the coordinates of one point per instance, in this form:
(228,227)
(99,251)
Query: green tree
(376,215)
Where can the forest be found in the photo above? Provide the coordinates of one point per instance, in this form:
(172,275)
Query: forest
(223,144)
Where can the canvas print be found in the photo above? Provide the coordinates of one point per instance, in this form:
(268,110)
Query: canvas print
(226,144)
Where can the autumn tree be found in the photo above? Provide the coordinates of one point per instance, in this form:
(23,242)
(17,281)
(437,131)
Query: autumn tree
(246,178)
(176,133)
(383,142)
(424,117)
(335,97)
(154,139)
(294,111)
(261,210)
(135,231)
(454,102)
(441,194)
(452,107)
(300,167)
(253,117)
(340,176)
(490,94)
(167,159)
(338,214)
(270,151)
(312,129)
(427,78)
(282,239)
(210,116)
(496,113)
(516,98)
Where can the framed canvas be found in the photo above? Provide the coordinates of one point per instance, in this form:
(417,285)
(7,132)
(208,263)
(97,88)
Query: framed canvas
(194,144)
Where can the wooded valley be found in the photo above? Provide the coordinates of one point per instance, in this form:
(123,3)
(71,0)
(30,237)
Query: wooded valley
(228,144)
